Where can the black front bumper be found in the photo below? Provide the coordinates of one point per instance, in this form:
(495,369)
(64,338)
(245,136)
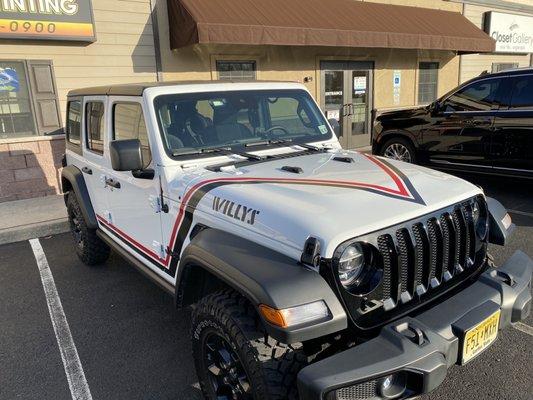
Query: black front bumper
(420,350)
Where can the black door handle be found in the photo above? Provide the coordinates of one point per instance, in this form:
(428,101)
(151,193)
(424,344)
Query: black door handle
(87,170)
(113,183)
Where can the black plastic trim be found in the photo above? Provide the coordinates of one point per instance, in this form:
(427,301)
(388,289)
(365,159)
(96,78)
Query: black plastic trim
(264,276)
(498,233)
(74,177)
(437,342)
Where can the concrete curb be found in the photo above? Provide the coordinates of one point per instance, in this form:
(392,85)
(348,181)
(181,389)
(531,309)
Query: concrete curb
(36,230)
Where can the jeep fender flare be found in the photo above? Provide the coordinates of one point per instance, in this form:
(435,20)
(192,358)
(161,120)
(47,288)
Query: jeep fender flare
(500,224)
(72,180)
(264,276)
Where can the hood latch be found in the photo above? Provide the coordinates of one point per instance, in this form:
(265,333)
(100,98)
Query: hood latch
(311,253)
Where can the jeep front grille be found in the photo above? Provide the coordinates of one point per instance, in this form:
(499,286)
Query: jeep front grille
(421,256)
(419,259)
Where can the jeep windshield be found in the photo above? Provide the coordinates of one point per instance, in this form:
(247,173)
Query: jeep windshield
(193,122)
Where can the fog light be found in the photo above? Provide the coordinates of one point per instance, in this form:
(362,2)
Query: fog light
(393,386)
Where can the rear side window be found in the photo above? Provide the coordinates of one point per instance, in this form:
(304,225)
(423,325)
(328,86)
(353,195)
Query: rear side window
(478,96)
(522,97)
(128,123)
(74,122)
(94,126)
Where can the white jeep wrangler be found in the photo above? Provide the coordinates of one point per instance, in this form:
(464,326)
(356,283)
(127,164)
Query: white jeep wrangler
(316,273)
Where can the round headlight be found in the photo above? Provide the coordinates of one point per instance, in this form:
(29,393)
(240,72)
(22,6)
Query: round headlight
(351,263)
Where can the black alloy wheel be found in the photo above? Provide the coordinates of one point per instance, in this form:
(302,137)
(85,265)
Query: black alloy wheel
(75,228)
(227,375)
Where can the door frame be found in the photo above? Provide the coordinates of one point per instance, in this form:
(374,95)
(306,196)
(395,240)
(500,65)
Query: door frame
(348,66)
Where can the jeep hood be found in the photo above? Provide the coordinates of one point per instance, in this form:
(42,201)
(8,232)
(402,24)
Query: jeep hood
(332,196)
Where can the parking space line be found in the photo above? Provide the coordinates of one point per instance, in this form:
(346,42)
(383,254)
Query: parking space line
(77,383)
(524,328)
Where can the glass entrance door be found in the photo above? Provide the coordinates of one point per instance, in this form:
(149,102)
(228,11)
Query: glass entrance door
(347,97)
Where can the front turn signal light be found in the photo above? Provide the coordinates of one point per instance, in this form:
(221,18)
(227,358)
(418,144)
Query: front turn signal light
(295,315)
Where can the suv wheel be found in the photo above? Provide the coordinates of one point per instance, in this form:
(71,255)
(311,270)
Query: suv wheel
(234,356)
(399,149)
(90,248)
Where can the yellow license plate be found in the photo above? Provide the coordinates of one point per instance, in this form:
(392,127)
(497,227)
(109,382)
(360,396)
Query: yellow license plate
(480,337)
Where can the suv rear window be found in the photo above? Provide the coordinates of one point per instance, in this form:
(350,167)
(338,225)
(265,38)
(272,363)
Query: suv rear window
(94,126)
(522,93)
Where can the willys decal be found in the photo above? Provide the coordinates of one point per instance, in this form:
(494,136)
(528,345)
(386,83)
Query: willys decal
(233,210)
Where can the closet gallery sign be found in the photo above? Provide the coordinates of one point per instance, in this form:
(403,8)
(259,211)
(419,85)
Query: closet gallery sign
(513,33)
(47,19)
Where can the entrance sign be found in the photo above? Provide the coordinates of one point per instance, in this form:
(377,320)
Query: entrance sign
(513,33)
(47,19)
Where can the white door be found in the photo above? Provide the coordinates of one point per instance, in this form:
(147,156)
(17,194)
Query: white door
(135,217)
(95,158)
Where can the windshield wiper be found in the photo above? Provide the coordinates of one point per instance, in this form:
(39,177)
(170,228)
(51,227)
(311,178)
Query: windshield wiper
(277,142)
(218,150)
(285,142)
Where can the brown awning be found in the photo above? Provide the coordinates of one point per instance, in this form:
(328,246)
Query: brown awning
(346,23)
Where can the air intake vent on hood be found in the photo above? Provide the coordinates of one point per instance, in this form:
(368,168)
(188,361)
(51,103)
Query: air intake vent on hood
(294,170)
(348,160)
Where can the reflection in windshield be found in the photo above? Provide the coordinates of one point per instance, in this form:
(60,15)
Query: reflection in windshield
(232,119)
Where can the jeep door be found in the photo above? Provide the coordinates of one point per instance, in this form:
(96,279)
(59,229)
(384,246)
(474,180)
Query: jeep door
(95,159)
(133,199)
(462,131)
(513,134)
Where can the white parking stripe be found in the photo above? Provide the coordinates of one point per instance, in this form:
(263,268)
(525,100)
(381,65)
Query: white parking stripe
(77,383)
(524,328)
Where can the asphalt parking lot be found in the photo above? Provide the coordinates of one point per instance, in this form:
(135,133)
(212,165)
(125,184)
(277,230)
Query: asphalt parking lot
(133,344)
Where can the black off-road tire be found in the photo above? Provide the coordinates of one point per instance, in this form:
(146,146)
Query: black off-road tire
(89,247)
(271,367)
(399,144)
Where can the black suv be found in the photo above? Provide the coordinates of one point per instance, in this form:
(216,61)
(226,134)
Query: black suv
(485,125)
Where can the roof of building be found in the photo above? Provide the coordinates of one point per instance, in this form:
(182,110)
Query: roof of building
(338,23)
(137,89)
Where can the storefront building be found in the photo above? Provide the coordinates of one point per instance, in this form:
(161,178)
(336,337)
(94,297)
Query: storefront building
(511,25)
(48,47)
(353,56)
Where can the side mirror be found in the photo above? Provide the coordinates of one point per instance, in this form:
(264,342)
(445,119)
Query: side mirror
(336,126)
(436,107)
(126,155)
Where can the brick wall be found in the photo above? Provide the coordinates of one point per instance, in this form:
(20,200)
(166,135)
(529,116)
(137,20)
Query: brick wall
(30,167)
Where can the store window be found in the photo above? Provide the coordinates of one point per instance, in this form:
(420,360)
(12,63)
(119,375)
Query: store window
(428,78)
(128,123)
(94,126)
(522,97)
(497,67)
(16,117)
(236,70)
(74,122)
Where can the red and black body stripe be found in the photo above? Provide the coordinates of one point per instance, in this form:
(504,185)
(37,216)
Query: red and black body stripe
(405,191)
